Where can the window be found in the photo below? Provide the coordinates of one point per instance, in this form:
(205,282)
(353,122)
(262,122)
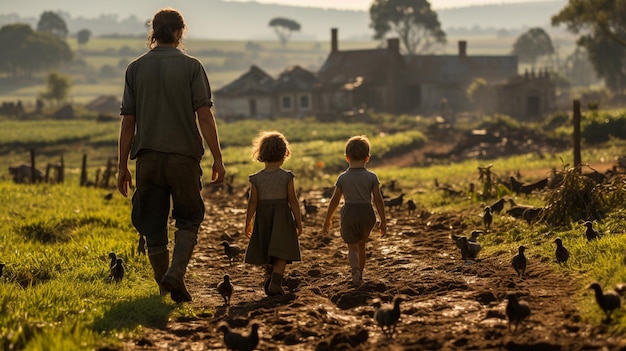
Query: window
(285,103)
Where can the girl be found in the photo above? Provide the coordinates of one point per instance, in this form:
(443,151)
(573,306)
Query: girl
(276,212)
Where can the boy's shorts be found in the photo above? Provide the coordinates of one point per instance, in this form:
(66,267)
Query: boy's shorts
(357,222)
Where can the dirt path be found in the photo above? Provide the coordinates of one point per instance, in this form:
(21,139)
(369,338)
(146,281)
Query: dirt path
(450,305)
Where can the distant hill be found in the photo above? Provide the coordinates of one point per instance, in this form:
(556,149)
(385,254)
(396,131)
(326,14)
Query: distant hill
(217,19)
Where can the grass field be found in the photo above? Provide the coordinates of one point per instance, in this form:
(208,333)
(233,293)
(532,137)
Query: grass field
(54,293)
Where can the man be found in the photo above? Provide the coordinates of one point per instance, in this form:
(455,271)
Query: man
(166,114)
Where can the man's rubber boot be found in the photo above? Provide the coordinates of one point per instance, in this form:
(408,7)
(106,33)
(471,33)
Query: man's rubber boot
(174,279)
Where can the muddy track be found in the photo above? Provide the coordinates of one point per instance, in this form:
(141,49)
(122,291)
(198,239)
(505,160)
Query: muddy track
(451,305)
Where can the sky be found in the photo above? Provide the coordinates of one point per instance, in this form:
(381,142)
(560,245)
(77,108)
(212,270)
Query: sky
(364,5)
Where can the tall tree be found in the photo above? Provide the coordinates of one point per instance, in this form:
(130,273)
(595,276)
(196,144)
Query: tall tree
(602,26)
(601,17)
(26,51)
(415,23)
(283,27)
(532,45)
(57,88)
(52,23)
(83,36)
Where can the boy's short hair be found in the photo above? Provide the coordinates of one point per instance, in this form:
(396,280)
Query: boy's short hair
(358,148)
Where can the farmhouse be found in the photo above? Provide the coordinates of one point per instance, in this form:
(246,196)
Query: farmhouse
(385,80)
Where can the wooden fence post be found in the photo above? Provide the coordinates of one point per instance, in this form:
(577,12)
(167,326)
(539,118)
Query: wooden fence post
(576,121)
(32,166)
(83,171)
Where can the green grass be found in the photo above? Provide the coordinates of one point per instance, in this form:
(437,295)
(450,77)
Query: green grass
(55,238)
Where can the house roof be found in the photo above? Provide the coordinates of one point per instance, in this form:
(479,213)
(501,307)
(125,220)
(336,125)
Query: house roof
(344,67)
(453,69)
(295,78)
(104,103)
(255,81)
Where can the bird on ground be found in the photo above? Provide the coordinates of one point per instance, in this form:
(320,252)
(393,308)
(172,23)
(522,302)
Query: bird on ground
(1,268)
(141,245)
(487,217)
(608,301)
(236,341)
(497,206)
(225,288)
(469,249)
(117,271)
(519,262)
(108,197)
(591,233)
(411,206)
(387,316)
(562,253)
(308,208)
(516,311)
(231,251)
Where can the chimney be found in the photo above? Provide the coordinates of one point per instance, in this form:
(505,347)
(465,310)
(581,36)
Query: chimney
(462,48)
(334,45)
(393,45)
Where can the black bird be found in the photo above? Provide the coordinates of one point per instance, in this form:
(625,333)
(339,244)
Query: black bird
(591,233)
(117,271)
(469,249)
(108,196)
(519,262)
(309,209)
(225,288)
(497,206)
(1,268)
(608,301)
(516,185)
(516,311)
(487,217)
(387,316)
(411,205)
(562,253)
(231,251)
(141,245)
(236,341)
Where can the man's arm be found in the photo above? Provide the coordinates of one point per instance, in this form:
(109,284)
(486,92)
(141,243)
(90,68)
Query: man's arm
(206,121)
(127,133)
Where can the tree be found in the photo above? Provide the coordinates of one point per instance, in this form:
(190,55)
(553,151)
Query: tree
(600,17)
(415,23)
(532,45)
(480,93)
(57,88)
(283,27)
(50,22)
(26,51)
(83,36)
(602,26)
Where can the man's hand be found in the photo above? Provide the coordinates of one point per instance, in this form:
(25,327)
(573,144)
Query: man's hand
(124,179)
(218,172)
